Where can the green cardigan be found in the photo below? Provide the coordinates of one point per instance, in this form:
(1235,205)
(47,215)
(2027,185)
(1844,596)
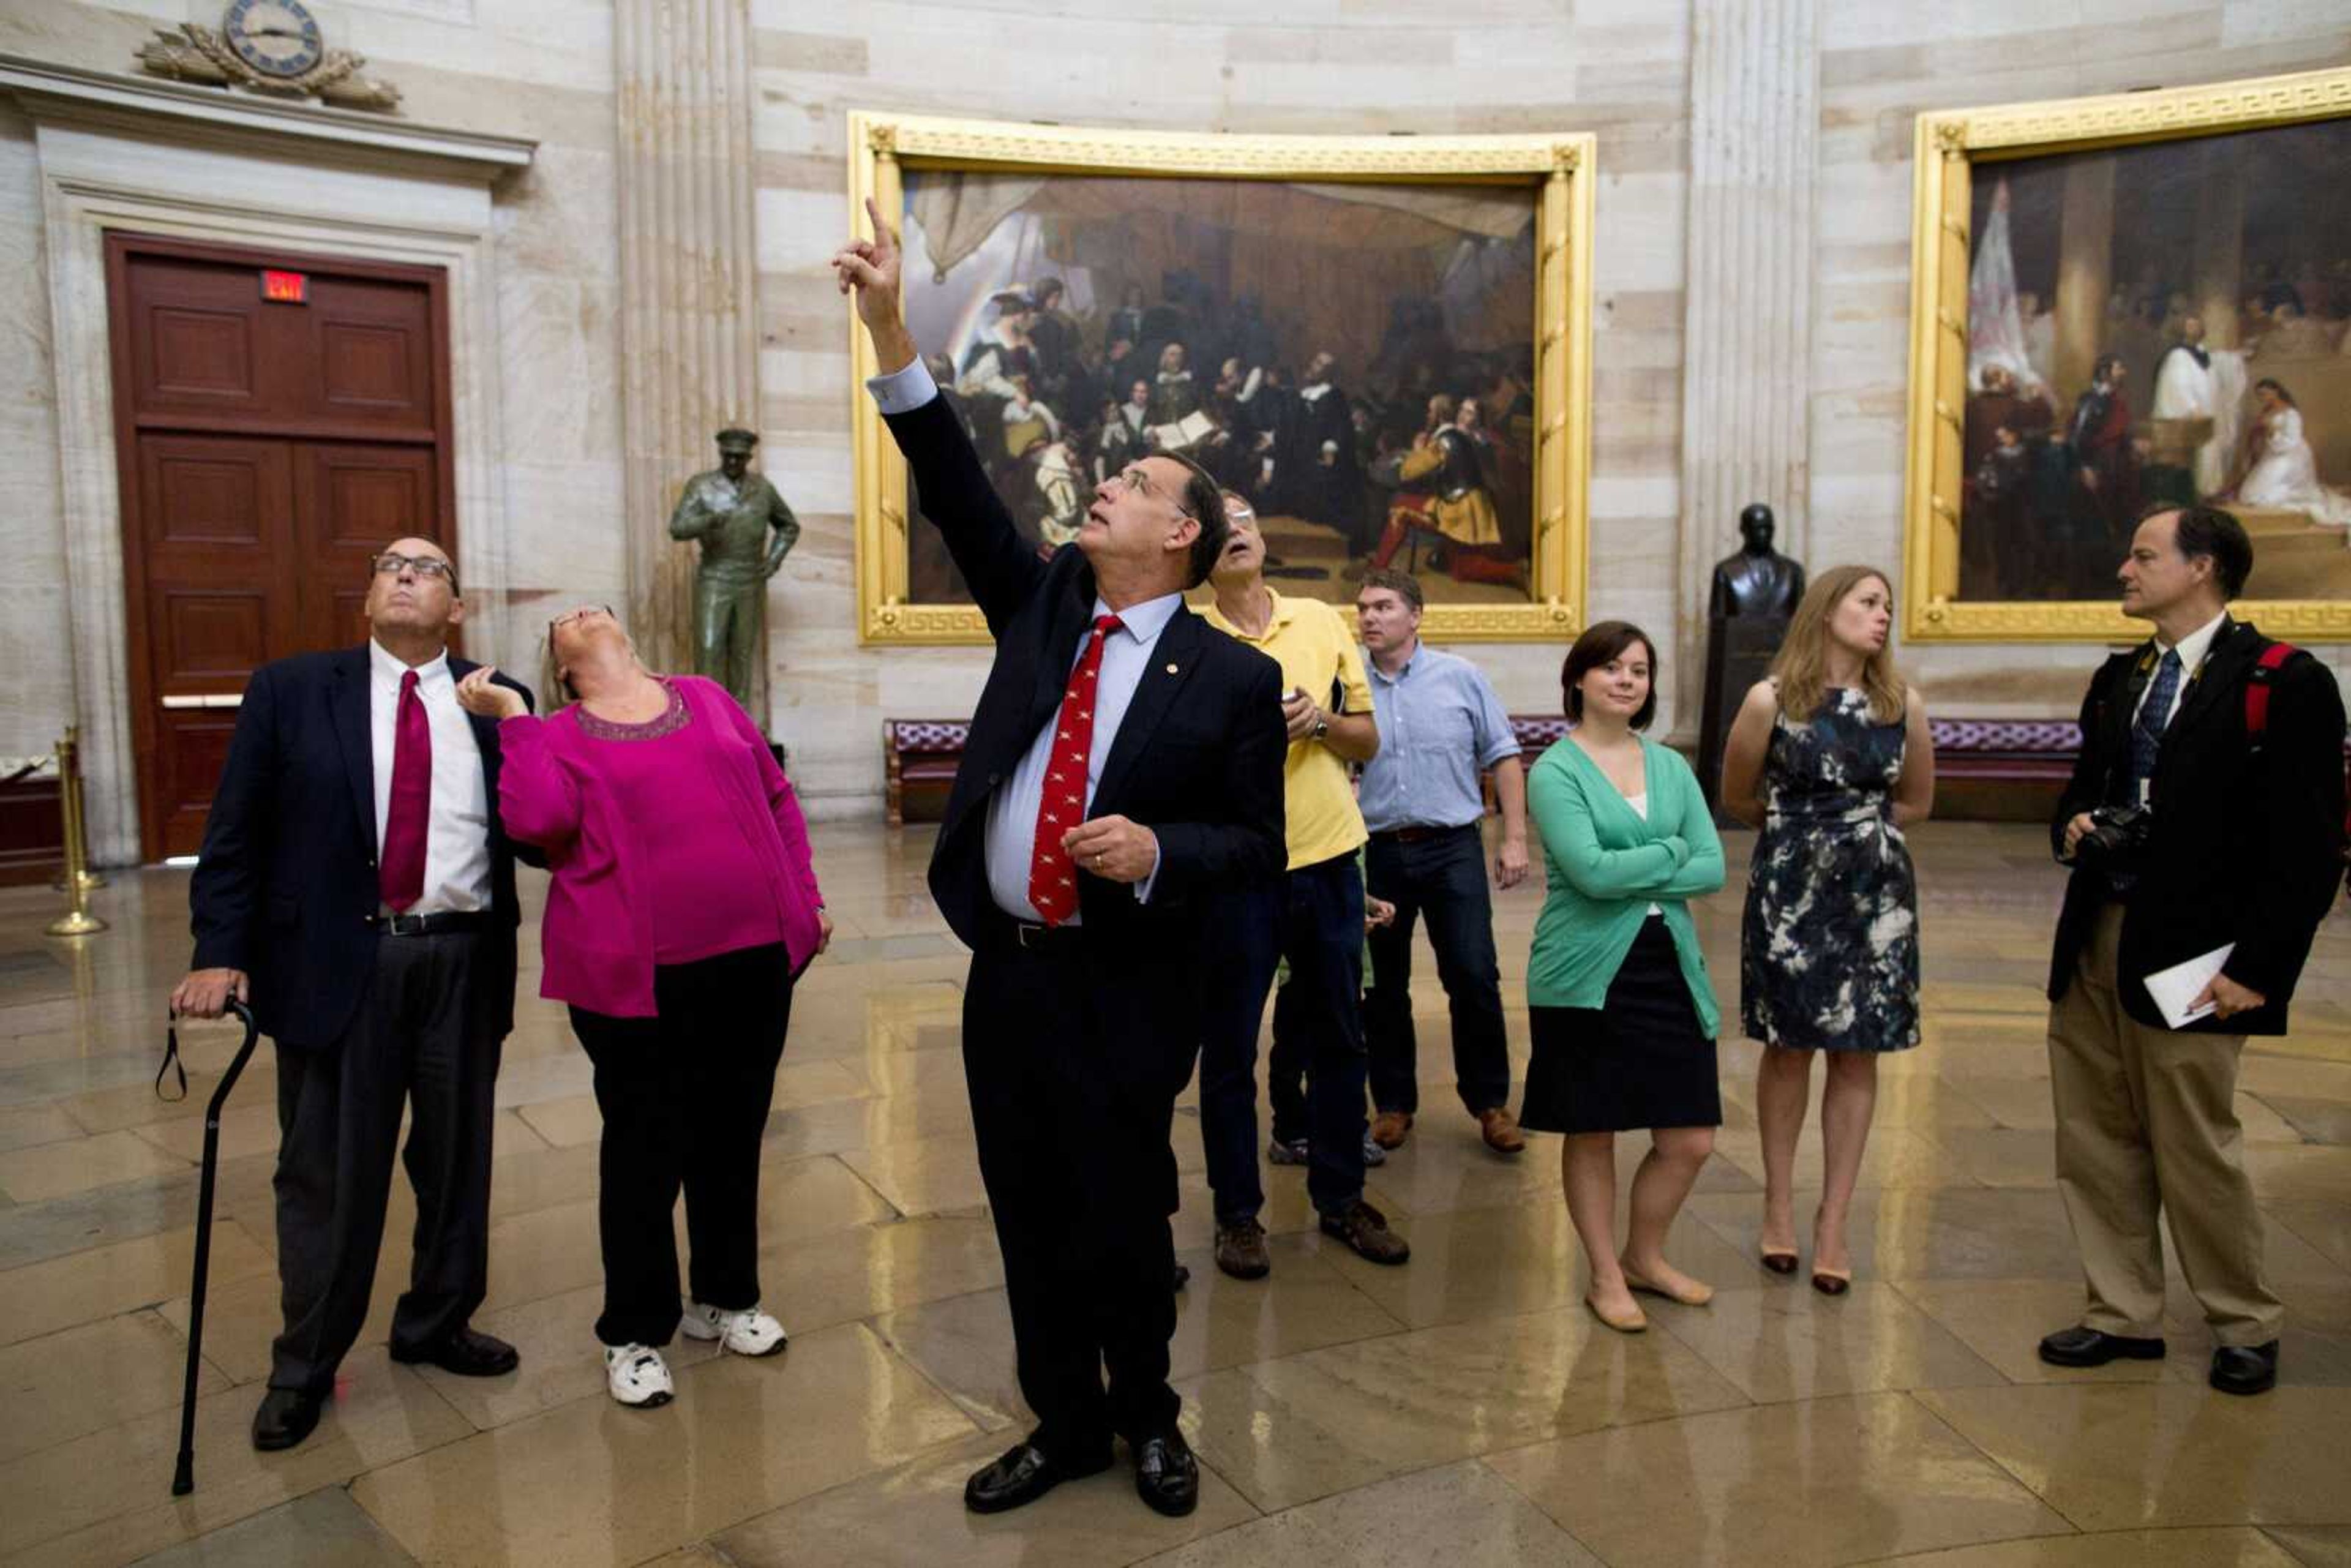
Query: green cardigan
(1607,865)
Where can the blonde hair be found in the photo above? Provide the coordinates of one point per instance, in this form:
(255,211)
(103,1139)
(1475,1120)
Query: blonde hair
(556,688)
(1802,668)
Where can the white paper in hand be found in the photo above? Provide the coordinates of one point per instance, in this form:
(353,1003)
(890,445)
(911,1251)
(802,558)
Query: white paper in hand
(2173,989)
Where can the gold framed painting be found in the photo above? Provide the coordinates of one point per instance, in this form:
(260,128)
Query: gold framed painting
(1382,343)
(2117,302)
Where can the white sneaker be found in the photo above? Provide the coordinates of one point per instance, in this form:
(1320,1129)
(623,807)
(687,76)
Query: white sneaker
(748,1333)
(637,1375)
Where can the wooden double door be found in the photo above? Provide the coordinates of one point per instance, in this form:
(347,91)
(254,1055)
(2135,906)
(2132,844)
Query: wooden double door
(278,420)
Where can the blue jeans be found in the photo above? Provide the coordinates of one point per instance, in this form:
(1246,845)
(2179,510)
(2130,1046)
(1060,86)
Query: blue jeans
(1314,918)
(1444,878)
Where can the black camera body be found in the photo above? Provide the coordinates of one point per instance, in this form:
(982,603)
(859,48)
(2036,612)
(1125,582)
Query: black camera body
(2117,838)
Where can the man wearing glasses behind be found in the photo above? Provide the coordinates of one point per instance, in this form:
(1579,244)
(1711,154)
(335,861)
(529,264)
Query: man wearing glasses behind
(356,889)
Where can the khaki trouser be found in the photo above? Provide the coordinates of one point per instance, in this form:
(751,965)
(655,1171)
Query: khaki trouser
(2147,1120)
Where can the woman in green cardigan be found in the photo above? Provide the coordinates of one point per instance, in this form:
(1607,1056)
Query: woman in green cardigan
(1622,1014)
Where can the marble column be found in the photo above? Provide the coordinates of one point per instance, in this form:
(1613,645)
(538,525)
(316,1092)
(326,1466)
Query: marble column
(689,281)
(1754,97)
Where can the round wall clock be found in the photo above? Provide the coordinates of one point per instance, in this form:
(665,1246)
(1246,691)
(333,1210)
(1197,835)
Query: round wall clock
(276,37)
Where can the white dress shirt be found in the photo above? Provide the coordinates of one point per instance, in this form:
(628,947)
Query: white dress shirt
(1010,844)
(457,836)
(2191,651)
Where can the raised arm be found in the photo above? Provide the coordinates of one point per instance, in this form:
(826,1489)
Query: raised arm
(692,518)
(953,488)
(537,801)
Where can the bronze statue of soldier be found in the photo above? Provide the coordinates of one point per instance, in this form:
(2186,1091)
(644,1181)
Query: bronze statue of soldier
(746,530)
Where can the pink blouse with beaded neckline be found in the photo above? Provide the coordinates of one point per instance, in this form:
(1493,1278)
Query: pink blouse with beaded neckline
(672,840)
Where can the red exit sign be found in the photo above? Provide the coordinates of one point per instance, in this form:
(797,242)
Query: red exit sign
(285,288)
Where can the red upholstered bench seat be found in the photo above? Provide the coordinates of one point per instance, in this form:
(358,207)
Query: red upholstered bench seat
(920,757)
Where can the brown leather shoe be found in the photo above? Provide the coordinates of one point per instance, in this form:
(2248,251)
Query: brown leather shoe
(1240,1250)
(1365,1230)
(1501,1131)
(1389,1127)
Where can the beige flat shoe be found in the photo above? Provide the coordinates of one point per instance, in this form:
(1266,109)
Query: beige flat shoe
(1697,1298)
(1633,1321)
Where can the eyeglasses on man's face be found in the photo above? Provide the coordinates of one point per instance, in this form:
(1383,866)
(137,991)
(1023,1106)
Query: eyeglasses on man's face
(391,564)
(1135,480)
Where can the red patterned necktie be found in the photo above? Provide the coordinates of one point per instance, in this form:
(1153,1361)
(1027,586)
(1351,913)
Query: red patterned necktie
(401,876)
(1061,805)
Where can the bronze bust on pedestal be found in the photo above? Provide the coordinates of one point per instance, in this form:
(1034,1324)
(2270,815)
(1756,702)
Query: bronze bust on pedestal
(1754,594)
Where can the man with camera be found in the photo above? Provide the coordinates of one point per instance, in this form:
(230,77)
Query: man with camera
(2205,813)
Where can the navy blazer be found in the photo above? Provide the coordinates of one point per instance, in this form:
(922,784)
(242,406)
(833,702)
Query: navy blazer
(2247,843)
(1198,754)
(285,886)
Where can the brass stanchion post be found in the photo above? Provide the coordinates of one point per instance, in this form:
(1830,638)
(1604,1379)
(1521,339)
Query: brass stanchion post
(69,779)
(77,921)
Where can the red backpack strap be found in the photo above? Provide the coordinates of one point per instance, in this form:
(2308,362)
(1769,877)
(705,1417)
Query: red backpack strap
(2257,688)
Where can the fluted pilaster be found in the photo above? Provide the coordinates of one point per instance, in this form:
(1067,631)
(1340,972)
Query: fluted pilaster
(1747,308)
(689,280)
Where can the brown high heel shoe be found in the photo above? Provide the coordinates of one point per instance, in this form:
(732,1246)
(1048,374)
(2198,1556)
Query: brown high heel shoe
(1831,1281)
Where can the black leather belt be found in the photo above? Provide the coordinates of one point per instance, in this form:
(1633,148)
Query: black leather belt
(1416,835)
(436,924)
(1037,938)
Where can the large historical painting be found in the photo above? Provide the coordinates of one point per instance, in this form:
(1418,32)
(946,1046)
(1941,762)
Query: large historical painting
(2126,321)
(1360,360)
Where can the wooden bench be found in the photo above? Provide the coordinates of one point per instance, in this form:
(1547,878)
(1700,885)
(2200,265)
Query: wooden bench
(2002,769)
(920,757)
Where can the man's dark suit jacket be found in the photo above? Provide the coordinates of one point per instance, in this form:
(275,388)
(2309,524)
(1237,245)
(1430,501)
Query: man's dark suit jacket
(2247,845)
(285,886)
(1197,757)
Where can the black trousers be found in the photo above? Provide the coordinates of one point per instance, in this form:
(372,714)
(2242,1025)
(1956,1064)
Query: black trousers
(1315,1071)
(1442,877)
(426,1035)
(1073,1055)
(684,1098)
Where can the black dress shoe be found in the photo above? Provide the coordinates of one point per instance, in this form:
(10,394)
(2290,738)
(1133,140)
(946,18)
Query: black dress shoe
(2080,1346)
(1024,1474)
(1166,1476)
(466,1353)
(2245,1368)
(285,1418)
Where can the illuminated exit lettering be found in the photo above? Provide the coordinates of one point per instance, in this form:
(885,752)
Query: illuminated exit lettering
(285,288)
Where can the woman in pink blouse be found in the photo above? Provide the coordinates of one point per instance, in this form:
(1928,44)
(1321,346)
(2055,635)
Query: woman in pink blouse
(683,907)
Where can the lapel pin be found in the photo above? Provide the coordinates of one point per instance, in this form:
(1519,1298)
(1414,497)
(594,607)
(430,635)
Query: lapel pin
(1171,669)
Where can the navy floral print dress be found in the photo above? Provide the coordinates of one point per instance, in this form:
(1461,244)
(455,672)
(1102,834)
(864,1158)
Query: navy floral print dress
(1829,950)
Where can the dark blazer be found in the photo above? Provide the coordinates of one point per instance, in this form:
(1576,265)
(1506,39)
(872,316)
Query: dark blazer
(1198,754)
(285,887)
(2247,843)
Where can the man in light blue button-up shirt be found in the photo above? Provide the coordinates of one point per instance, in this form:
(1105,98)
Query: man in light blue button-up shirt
(1440,726)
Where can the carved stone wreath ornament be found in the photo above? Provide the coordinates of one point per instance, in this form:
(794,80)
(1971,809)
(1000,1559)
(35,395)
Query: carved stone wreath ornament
(269,46)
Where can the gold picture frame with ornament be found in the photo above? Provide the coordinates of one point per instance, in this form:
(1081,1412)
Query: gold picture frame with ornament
(1551,375)
(2060,191)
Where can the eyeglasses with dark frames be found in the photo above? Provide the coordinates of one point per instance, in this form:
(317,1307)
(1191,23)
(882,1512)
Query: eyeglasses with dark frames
(391,564)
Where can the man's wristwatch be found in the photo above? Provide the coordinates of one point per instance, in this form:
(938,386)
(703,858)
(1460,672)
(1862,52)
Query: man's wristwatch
(1321,725)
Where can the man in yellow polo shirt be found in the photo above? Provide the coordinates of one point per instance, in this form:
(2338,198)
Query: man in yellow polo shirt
(1313,917)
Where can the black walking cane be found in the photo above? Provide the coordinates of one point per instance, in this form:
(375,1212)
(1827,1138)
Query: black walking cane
(183,1475)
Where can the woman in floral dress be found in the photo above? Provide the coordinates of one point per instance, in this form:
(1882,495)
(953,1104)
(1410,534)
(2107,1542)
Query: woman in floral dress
(1830,756)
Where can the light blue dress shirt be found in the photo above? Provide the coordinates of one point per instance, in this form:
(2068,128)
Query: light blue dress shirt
(1011,840)
(1440,724)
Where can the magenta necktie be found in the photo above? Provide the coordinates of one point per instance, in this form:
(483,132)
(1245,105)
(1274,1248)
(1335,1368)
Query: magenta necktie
(401,876)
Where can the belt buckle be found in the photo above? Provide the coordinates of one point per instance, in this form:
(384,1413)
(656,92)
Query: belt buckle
(400,925)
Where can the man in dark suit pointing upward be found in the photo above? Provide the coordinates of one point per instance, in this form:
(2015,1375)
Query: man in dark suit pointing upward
(1124,763)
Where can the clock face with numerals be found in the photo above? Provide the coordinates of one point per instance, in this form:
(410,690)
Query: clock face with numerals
(276,37)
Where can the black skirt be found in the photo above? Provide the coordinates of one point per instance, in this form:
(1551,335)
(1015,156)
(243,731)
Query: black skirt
(1641,1060)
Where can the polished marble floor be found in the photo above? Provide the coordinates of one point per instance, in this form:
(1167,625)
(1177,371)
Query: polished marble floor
(1463,1408)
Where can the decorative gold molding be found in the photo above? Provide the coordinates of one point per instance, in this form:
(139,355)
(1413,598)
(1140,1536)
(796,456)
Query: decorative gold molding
(1556,169)
(1946,147)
